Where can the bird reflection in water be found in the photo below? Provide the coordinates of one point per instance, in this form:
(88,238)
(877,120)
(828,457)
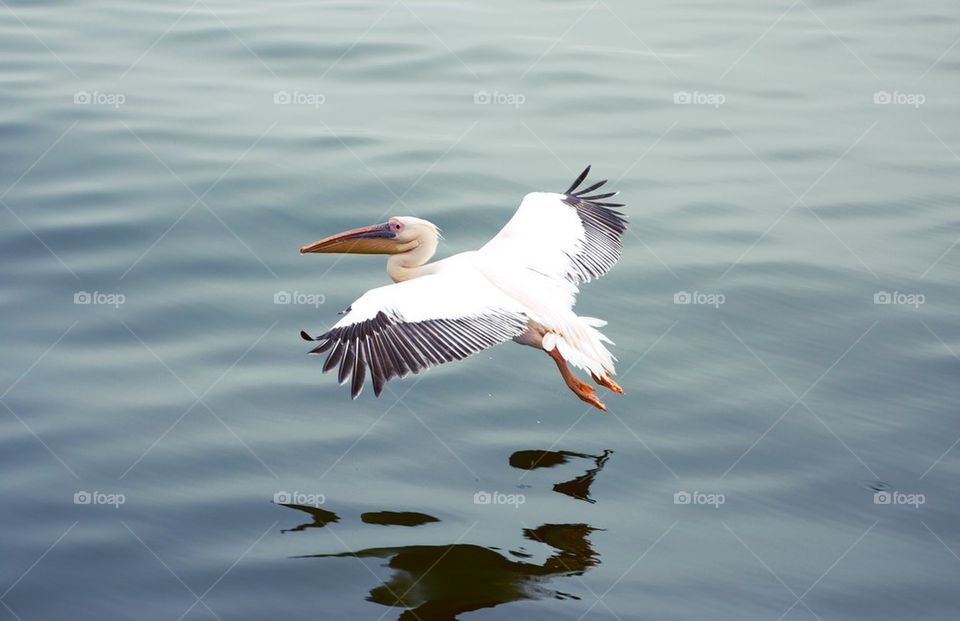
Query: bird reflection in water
(437,583)
(321,517)
(578,487)
(440,582)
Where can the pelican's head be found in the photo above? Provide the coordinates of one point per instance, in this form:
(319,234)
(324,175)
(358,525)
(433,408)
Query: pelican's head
(395,236)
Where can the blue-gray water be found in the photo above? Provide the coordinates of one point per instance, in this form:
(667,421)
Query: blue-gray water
(787,189)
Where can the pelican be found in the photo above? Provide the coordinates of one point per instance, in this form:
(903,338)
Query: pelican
(521,285)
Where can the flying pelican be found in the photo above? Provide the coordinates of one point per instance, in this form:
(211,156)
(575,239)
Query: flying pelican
(521,285)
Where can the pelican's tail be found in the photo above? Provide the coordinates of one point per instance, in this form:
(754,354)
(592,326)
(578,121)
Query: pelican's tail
(582,345)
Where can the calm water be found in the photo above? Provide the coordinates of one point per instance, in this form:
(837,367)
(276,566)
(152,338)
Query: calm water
(769,183)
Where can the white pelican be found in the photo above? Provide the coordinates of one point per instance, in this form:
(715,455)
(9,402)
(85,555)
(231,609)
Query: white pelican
(521,285)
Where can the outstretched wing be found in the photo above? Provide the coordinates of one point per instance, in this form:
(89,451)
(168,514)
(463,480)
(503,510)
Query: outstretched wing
(572,236)
(417,324)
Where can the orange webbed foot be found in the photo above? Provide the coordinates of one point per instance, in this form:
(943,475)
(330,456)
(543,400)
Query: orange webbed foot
(583,390)
(587,394)
(607,381)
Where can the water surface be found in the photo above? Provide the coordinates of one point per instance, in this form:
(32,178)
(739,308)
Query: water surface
(164,161)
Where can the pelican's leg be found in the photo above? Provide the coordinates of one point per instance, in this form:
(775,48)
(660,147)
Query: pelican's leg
(607,381)
(582,389)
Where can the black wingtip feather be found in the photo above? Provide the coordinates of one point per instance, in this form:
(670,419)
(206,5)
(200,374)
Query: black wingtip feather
(376,365)
(322,347)
(578,180)
(335,357)
(359,374)
(596,197)
(591,188)
(305,336)
(346,367)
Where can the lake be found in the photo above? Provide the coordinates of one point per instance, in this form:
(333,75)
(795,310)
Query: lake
(785,311)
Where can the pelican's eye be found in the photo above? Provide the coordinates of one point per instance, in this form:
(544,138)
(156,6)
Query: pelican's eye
(396,226)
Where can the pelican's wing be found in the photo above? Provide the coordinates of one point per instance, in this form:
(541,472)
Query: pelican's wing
(417,324)
(572,236)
